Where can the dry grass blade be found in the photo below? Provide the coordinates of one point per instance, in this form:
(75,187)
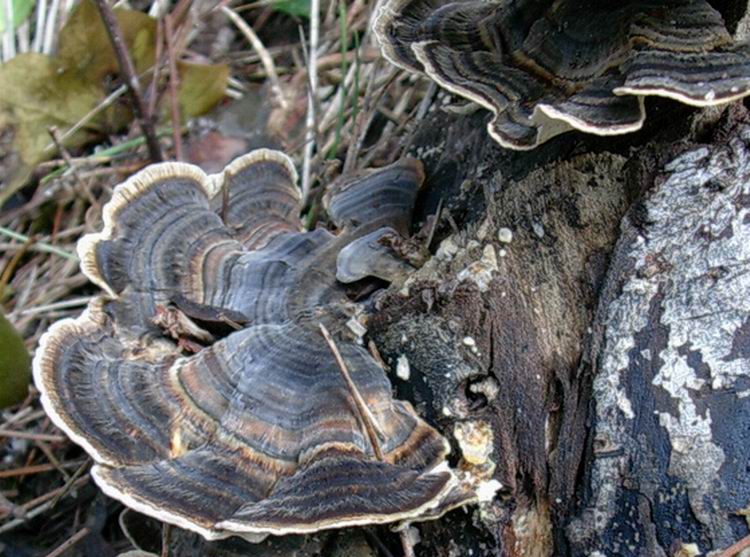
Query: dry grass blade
(735,549)
(36,469)
(32,436)
(312,99)
(40,505)
(173,85)
(265,57)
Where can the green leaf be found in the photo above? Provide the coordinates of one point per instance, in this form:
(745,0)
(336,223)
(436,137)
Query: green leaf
(15,365)
(21,11)
(298,8)
(202,87)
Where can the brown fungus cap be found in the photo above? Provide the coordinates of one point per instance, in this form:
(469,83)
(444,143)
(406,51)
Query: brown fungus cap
(253,430)
(546,67)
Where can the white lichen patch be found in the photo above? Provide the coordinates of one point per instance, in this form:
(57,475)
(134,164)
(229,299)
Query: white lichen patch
(482,271)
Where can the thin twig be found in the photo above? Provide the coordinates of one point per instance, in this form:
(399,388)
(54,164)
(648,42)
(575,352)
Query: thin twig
(424,106)
(166,536)
(131,79)
(35,469)
(42,446)
(433,226)
(368,420)
(173,85)
(55,135)
(37,510)
(152,94)
(265,57)
(57,306)
(735,548)
(312,99)
(381,548)
(364,118)
(70,542)
(224,201)
(86,118)
(33,436)
(69,484)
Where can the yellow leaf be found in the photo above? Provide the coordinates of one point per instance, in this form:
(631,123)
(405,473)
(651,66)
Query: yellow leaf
(202,87)
(41,91)
(84,44)
(37,94)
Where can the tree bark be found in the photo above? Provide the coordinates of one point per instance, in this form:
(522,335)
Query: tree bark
(606,345)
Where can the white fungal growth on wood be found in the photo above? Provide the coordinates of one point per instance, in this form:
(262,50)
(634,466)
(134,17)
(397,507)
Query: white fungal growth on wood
(475,440)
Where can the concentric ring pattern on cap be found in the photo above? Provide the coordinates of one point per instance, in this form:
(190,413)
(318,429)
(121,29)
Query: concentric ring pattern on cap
(253,430)
(544,67)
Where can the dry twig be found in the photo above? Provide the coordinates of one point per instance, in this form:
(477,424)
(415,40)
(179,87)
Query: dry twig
(131,79)
(173,85)
(736,548)
(366,417)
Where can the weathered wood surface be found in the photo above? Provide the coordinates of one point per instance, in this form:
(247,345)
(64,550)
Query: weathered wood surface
(534,340)
(669,448)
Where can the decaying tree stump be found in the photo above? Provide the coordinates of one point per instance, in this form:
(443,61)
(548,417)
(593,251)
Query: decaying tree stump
(610,360)
(669,460)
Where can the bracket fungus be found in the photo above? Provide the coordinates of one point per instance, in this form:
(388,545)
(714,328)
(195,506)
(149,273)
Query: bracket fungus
(544,68)
(201,384)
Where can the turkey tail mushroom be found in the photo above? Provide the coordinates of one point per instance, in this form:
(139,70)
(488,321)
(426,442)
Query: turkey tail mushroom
(255,431)
(543,68)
